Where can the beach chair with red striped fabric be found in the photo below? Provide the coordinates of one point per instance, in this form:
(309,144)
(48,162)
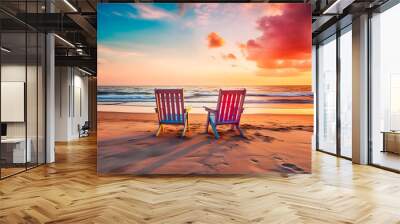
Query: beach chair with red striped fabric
(171,109)
(228,112)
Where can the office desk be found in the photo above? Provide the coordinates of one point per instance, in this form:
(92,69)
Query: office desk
(16,147)
(391,141)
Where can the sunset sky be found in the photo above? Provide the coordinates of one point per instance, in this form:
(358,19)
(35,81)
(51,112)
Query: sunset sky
(204,44)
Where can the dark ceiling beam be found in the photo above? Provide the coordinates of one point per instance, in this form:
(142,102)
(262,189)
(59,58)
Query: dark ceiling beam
(337,7)
(326,26)
(77,61)
(321,22)
(9,25)
(91,5)
(332,29)
(49,22)
(59,22)
(88,51)
(16,19)
(202,1)
(86,26)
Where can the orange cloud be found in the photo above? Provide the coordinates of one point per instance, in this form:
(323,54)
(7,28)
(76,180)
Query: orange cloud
(270,9)
(285,43)
(243,49)
(214,40)
(242,46)
(274,9)
(229,56)
(253,44)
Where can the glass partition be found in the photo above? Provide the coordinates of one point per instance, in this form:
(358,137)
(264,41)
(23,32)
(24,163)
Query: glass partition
(346,93)
(22,101)
(385,89)
(41,97)
(14,154)
(327,95)
(31,97)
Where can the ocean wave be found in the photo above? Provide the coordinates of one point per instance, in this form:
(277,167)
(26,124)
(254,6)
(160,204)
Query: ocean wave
(132,98)
(259,95)
(271,101)
(105,92)
(278,94)
(194,95)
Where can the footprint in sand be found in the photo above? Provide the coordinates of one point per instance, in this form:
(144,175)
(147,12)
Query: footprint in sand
(254,160)
(268,138)
(133,140)
(144,143)
(265,138)
(291,167)
(232,145)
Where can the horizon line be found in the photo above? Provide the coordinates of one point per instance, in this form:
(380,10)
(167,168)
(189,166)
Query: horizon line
(191,85)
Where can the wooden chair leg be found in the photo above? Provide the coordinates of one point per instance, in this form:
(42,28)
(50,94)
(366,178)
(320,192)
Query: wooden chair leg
(160,128)
(187,121)
(240,131)
(208,122)
(214,128)
(184,130)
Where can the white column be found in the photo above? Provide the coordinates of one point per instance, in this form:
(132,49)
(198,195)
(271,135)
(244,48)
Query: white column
(50,99)
(360,89)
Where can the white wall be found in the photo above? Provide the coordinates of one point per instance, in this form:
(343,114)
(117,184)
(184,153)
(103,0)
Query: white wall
(62,81)
(80,110)
(33,127)
(13,101)
(71,102)
(16,73)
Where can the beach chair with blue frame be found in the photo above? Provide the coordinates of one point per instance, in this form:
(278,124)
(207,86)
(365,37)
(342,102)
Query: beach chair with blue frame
(171,109)
(228,111)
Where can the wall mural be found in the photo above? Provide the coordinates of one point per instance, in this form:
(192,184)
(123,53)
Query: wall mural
(204,88)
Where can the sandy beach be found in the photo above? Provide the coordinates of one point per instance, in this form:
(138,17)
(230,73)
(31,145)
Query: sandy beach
(274,143)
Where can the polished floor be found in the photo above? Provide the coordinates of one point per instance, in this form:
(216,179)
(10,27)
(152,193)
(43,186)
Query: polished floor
(387,159)
(70,191)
